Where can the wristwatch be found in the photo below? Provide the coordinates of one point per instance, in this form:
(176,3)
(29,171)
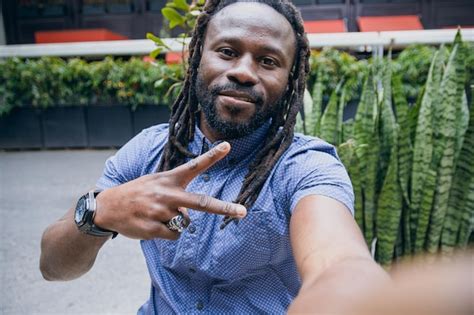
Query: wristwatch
(85,213)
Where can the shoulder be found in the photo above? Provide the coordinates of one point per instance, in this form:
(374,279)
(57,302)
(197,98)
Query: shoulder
(155,133)
(137,157)
(311,166)
(307,155)
(145,144)
(305,148)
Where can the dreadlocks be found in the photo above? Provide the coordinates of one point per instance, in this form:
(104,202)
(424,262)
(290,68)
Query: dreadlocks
(280,133)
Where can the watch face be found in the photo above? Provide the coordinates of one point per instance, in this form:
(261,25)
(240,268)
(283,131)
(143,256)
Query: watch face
(80,211)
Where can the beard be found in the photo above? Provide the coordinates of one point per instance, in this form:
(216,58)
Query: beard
(207,95)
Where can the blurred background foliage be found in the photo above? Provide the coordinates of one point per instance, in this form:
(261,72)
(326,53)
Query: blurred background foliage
(51,81)
(409,148)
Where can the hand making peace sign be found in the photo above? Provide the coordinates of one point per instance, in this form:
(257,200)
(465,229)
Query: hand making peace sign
(141,208)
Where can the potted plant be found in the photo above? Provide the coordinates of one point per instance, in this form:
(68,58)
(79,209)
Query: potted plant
(20,124)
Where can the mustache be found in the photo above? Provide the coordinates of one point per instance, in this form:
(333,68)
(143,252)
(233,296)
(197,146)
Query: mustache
(232,86)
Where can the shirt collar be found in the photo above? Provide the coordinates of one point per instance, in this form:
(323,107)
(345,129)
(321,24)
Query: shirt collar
(241,148)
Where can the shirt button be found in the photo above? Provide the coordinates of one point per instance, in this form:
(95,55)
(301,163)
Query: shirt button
(206,177)
(191,229)
(199,305)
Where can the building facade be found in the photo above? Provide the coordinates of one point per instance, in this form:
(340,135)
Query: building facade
(134,18)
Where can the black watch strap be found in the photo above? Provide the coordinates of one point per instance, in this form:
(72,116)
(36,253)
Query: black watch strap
(87,224)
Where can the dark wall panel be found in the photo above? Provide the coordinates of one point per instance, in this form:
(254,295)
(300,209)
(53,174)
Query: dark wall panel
(142,16)
(453,13)
(324,12)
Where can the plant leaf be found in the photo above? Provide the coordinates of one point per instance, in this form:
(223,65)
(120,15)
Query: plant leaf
(174,18)
(158,41)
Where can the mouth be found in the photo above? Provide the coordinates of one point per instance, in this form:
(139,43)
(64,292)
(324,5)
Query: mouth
(238,96)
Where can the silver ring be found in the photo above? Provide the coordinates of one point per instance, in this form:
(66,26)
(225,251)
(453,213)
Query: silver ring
(177,223)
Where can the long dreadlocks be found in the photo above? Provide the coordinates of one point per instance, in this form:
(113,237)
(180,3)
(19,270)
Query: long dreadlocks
(280,133)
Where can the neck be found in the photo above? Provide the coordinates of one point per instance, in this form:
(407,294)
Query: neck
(207,130)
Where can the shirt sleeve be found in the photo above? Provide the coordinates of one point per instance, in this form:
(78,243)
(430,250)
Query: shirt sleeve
(317,170)
(127,164)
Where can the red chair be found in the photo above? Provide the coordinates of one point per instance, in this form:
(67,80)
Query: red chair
(77,35)
(325,26)
(389,23)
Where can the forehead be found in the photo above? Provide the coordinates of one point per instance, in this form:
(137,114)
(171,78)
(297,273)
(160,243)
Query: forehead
(251,21)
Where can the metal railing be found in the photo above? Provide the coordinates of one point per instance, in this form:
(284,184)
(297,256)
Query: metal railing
(374,42)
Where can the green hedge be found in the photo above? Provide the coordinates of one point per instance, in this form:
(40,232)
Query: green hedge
(49,81)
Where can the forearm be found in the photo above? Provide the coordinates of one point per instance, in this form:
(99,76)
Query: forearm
(338,288)
(66,253)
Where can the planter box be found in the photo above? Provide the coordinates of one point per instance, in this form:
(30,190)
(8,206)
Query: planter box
(64,127)
(108,126)
(21,129)
(148,115)
(90,126)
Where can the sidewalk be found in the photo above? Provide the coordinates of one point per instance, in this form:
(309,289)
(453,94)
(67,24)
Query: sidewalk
(37,188)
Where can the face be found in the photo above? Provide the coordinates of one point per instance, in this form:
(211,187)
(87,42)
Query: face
(246,60)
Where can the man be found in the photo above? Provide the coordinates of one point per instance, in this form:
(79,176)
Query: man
(229,150)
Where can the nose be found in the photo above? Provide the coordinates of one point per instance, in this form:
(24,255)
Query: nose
(243,71)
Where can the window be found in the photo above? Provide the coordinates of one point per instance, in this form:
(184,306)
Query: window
(302,2)
(97,7)
(37,8)
(331,1)
(156,5)
(322,2)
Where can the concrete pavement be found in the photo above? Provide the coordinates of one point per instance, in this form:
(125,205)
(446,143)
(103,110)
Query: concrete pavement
(36,188)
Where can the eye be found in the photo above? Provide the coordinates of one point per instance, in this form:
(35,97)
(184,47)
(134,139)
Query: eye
(227,52)
(269,62)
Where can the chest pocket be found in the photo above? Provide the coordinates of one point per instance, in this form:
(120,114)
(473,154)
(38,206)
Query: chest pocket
(242,249)
(167,252)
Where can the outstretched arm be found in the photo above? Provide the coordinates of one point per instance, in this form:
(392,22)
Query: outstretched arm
(332,258)
(340,277)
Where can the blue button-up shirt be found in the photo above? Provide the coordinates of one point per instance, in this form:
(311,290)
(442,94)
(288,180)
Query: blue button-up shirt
(247,267)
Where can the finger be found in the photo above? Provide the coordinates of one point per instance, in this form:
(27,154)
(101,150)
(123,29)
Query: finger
(186,172)
(187,218)
(160,230)
(212,205)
